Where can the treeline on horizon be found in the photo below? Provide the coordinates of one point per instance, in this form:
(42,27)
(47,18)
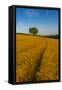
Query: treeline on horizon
(53,36)
(49,36)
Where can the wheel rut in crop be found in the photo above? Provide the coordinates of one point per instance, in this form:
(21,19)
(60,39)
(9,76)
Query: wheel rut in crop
(38,64)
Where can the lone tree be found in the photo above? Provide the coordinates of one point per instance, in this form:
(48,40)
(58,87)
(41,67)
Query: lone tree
(33,30)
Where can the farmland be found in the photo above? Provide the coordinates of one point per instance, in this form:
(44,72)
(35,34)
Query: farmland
(36,58)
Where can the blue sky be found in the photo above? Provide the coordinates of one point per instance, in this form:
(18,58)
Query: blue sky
(46,21)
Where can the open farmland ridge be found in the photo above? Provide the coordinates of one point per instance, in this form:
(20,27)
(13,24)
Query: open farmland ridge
(31,62)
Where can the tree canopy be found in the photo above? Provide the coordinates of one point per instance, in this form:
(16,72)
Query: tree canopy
(33,30)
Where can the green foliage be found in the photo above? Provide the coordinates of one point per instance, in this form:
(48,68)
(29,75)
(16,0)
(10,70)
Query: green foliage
(33,30)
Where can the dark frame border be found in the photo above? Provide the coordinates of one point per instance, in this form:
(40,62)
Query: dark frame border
(38,7)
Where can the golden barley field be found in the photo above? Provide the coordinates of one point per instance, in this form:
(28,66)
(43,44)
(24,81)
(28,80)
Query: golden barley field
(36,58)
